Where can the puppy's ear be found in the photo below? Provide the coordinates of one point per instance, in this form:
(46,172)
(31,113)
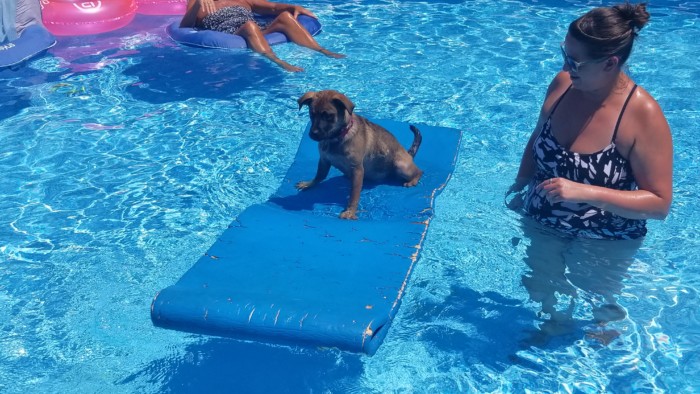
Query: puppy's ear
(306,99)
(341,99)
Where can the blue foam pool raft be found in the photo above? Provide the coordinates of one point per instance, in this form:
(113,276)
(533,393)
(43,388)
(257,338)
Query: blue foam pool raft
(290,271)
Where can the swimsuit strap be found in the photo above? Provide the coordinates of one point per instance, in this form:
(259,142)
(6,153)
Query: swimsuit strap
(559,100)
(623,111)
(554,108)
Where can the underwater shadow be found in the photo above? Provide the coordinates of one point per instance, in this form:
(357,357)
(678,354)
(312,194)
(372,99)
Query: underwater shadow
(14,98)
(497,327)
(492,330)
(224,365)
(178,73)
(93,52)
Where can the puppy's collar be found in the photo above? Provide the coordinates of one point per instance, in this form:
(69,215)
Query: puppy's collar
(344,132)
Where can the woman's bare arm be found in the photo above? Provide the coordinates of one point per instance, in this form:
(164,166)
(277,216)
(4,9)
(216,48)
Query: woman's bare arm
(190,17)
(264,7)
(527,163)
(193,9)
(651,159)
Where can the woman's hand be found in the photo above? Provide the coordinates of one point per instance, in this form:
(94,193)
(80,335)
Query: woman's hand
(207,6)
(563,190)
(299,10)
(518,185)
(517,188)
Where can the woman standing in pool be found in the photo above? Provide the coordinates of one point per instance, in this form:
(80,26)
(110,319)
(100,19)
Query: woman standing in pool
(236,17)
(599,162)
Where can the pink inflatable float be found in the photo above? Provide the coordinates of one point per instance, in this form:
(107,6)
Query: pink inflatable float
(77,17)
(161,7)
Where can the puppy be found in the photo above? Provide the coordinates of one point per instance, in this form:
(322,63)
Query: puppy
(357,147)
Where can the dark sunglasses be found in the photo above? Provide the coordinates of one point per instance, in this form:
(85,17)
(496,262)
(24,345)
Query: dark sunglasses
(573,64)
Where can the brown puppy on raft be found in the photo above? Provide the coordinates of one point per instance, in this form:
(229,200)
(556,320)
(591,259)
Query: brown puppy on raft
(357,147)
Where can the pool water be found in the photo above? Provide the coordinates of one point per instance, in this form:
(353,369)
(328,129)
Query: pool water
(123,156)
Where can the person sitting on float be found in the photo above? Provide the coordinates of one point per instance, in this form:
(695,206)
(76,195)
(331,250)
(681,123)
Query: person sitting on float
(237,17)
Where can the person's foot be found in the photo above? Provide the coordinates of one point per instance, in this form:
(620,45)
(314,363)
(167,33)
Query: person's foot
(332,54)
(290,68)
(287,66)
(283,64)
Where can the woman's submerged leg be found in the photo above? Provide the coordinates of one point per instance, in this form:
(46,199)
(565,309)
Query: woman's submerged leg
(286,24)
(567,271)
(546,282)
(599,267)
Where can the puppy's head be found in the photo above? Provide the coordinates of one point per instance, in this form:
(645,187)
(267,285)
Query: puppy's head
(329,110)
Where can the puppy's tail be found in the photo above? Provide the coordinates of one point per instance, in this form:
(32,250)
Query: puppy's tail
(417,139)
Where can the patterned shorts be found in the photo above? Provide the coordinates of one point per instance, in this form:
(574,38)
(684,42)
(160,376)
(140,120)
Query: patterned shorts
(230,19)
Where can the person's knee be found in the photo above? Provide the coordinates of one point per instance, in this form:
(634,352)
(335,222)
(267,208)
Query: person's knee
(254,37)
(249,28)
(285,17)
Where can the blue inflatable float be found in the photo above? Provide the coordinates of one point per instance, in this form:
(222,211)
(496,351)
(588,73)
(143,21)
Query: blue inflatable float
(214,39)
(290,271)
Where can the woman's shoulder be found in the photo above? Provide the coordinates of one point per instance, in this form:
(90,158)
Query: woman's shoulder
(556,88)
(645,103)
(646,114)
(644,107)
(560,82)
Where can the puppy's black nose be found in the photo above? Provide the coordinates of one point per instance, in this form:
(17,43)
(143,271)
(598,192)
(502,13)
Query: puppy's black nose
(314,135)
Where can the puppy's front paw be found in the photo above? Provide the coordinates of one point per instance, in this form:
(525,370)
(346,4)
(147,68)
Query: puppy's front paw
(414,181)
(348,215)
(303,185)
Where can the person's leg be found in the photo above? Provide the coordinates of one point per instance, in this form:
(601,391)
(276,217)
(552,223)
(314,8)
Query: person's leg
(546,282)
(598,267)
(256,41)
(286,24)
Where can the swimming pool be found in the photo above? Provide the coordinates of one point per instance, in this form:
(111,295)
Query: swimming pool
(124,156)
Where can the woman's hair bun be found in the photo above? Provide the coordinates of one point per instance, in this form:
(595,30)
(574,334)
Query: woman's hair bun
(636,14)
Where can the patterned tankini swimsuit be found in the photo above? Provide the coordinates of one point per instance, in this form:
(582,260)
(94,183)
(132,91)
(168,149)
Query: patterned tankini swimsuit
(606,168)
(230,19)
